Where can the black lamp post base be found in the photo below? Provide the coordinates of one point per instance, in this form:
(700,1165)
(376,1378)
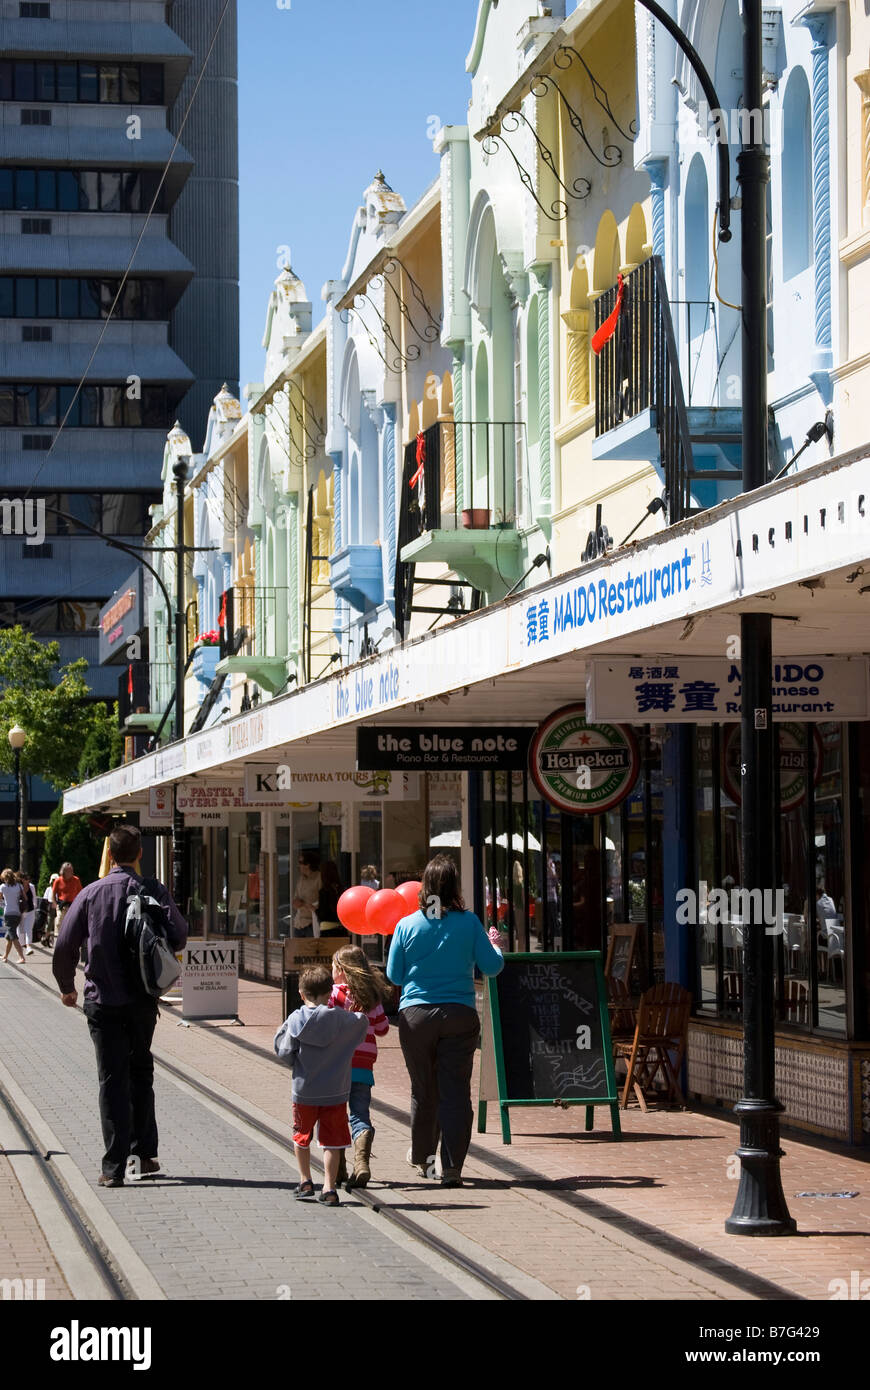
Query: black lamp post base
(760,1207)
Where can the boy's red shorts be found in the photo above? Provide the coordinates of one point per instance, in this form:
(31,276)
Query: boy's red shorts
(333,1130)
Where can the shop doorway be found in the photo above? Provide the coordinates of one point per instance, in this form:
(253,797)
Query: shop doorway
(559,882)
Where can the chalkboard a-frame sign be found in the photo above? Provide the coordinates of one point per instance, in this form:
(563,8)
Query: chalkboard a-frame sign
(546,1037)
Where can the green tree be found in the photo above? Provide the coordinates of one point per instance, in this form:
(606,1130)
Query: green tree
(104,746)
(70,838)
(52,704)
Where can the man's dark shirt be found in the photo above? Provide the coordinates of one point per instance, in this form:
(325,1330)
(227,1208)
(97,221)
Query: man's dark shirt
(97,916)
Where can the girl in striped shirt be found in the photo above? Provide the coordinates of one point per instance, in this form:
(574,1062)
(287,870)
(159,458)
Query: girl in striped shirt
(360,988)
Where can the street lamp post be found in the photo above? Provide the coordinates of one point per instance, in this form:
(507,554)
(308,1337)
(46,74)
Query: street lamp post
(17,739)
(760,1206)
(179,473)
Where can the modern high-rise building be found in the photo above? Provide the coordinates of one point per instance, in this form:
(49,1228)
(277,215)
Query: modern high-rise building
(92,93)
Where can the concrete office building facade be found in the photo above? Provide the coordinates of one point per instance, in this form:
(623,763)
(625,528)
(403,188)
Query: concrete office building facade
(90,97)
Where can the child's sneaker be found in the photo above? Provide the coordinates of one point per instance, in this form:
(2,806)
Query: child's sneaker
(304,1192)
(329,1199)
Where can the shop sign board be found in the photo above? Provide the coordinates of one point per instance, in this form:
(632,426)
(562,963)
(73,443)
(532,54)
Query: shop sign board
(207,804)
(792,764)
(266,785)
(546,1037)
(210,978)
(159,811)
(121,618)
(583,768)
(447,748)
(675,690)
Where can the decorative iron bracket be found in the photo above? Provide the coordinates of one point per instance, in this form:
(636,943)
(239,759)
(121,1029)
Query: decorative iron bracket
(541,88)
(321,432)
(431,331)
(402,359)
(598,92)
(559,208)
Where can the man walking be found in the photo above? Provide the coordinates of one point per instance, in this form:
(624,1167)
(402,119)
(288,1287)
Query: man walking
(121,1016)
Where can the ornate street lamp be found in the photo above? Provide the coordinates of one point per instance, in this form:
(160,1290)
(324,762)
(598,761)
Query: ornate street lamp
(17,739)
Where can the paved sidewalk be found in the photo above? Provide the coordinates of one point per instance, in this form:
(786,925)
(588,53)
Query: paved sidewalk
(585,1216)
(664,1190)
(25,1254)
(220,1222)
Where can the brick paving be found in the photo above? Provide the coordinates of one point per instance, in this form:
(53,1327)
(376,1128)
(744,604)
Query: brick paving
(222,1222)
(585,1216)
(24,1251)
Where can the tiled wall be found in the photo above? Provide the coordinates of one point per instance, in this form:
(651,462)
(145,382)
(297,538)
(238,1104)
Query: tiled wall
(813,1086)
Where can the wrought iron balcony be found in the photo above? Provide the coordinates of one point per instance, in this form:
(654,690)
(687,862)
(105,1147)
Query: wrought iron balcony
(458,507)
(252,621)
(640,402)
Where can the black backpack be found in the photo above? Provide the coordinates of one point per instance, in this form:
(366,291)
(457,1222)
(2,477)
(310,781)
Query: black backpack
(154,966)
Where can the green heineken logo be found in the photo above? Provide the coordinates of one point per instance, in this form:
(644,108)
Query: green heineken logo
(583,768)
(792,764)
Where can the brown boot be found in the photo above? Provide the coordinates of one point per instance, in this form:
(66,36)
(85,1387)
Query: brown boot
(342,1169)
(362,1152)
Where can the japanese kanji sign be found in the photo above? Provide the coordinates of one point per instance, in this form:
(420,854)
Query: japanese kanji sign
(674,690)
(583,768)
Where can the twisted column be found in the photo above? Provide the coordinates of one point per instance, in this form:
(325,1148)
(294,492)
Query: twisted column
(818,27)
(658,177)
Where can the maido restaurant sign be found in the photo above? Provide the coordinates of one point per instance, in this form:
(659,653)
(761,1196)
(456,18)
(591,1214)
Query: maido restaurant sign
(444,748)
(583,768)
(673,690)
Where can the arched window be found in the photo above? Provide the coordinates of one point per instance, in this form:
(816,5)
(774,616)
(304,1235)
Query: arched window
(697,247)
(797,182)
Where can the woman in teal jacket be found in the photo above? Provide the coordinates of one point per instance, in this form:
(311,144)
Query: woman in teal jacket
(432,958)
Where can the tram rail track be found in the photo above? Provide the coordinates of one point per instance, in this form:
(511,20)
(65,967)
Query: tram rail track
(471,1268)
(96,1251)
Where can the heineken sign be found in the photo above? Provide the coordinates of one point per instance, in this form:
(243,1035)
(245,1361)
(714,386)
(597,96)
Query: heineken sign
(583,768)
(792,764)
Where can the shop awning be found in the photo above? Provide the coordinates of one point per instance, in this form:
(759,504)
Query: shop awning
(798,548)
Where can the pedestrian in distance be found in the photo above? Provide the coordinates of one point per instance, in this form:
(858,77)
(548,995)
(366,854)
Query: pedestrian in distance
(327,900)
(121,1014)
(10,891)
(358,987)
(67,887)
(319,1043)
(307,892)
(369,877)
(28,912)
(432,956)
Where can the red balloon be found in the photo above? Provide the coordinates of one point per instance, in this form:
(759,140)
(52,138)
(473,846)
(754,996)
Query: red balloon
(410,894)
(352,908)
(384,911)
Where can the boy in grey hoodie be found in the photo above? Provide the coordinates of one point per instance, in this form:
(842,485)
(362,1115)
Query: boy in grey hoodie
(319,1043)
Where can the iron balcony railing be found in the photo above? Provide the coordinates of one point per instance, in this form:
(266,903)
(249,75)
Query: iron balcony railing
(257,611)
(639,369)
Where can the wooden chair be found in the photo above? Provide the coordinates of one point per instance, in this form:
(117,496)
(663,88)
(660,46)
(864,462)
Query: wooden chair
(662,1027)
(623,1014)
(796,1001)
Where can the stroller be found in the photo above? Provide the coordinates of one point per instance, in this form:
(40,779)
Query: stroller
(43,923)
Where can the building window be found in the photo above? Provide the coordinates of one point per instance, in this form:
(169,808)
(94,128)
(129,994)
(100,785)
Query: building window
(112,84)
(807,909)
(95,407)
(797,179)
(30,9)
(46,296)
(82,190)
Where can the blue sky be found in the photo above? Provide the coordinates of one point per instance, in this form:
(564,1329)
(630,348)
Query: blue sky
(329,92)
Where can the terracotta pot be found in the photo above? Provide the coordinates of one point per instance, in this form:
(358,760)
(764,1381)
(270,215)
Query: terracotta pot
(475,518)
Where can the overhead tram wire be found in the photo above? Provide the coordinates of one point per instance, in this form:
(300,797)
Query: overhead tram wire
(139,241)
